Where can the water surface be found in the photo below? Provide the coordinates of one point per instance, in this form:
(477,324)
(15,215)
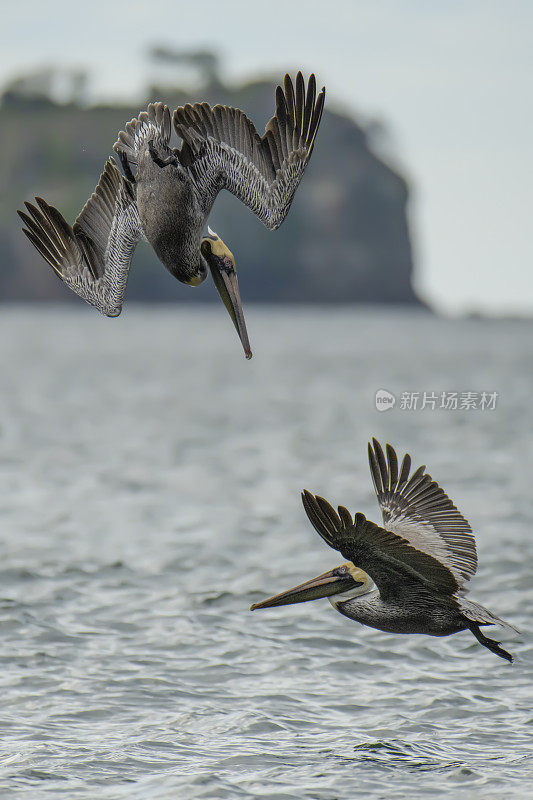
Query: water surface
(150,482)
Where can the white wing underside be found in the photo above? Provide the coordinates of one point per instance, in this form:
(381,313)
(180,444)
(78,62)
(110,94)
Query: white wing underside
(423,536)
(417,509)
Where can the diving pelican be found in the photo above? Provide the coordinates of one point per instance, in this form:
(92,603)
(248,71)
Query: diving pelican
(168,199)
(417,563)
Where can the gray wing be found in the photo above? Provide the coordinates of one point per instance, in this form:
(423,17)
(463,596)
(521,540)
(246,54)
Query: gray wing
(222,150)
(419,511)
(152,125)
(399,570)
(93,256)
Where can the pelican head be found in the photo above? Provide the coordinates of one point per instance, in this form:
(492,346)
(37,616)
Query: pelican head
(221,263)
(338,585)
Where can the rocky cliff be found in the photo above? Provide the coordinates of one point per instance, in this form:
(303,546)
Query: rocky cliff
(345,239)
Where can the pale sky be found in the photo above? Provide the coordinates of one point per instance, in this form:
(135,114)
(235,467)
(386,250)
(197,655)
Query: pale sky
(452,80)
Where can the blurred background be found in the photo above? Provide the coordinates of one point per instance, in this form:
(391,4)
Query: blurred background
(419,190)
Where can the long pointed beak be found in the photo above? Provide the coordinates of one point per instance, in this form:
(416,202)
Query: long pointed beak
(322,586)
(225,279)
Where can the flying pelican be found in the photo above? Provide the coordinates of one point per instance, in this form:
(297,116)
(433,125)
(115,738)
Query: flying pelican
(417,563)
(168,200)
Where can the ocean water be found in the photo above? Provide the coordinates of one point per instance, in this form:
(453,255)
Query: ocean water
(149,485)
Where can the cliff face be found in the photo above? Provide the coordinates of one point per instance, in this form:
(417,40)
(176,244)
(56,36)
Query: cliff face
(345,239)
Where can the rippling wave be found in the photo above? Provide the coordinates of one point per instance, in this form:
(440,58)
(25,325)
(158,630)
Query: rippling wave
(150,482)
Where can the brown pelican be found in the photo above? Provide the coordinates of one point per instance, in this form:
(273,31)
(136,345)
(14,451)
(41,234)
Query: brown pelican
(168,199)
(417,563)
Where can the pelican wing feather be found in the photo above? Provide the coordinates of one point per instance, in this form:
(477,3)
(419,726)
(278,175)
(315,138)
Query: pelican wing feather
(417,509)
(93,256)
(151,125)
(222,150)
(397,568)
(478,613)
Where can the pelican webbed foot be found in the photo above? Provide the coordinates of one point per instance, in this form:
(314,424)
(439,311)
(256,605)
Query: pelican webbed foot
(490,644)
(161,162)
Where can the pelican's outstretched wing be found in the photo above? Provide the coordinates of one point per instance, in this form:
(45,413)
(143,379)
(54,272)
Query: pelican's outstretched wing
(93,256)
(222,150)
(397,568)
(417,509)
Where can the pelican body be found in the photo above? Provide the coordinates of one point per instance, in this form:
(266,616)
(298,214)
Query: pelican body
(168,198)
(408,576)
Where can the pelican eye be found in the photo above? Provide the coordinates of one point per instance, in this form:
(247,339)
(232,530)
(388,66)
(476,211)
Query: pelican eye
(341,570)
(227,265)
